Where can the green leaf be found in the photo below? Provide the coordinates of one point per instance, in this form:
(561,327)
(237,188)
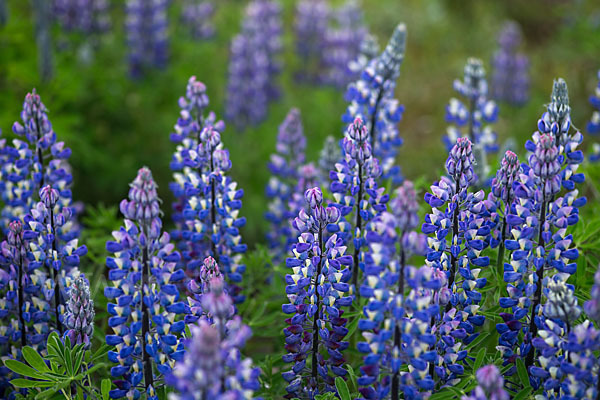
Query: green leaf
(443,394)
(478,340)
(105,388)
(34,359)
(27,383)
(78,358)
(479,359)
(523,394)
(23,369)
(342,388)
(523,375)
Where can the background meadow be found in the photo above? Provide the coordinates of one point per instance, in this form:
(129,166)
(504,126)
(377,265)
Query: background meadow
(115,124)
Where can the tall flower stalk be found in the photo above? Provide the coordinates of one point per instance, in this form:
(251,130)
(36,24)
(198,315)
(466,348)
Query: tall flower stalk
(254,64)
(316,290)
(459,233)
(395,324)
(285,173)
(146,26)
(356,192)
(539,241)
(146,315)
(510,78)
(472,119)
(372,99)
(311,24)
(207,209)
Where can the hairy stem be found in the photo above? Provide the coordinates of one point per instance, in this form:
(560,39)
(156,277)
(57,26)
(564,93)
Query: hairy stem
(148,376)
(55,275)
(21,301)
(213,209)
(397,333)
(453,259)
(355,269)
(373,121)
(533,329)
(315,338)
(501,249)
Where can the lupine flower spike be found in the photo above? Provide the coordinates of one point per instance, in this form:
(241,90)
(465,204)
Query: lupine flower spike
(212,365)
(503,196)
(372,99)
(34,162)
(396,327)
(146,26)
(316,290)
(311,25)
(459,232)
(593,126)
(87,16)
(356,193)
(539,242)
(197,15)
(146,313)
(208,201)
(342,42)
(285,173)
(473,118)
(510,78)
(79,318)
(254,64)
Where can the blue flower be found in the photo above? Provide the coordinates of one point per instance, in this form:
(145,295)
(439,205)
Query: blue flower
(254,65)
(146,312)
(490,385)
(510,78)
(372,99)
(208,201)
(472,119)
(285,173)
(317,289)
(356,193)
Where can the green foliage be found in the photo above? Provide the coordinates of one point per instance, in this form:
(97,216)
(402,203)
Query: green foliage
(64,373)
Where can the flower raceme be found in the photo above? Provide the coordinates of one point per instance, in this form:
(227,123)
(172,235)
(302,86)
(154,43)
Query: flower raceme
(372,99)
(208,201)
(317,289)
(146,313)
(355,191)
(510,79)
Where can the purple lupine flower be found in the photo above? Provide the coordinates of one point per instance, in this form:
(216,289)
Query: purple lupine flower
(372,99)
(208,201)
(396,328)
(593,125)
(146,312)
(316,291)
(43,38)
(503,196)
(369,49)
(33,163)
(490,385)
(539,219)
(311,26)
(198,15)
(146,26)
(285,174)
(355,190)
(79,318)
(459,232)
(213,367)
(254,65)
(510,78)
(592,306)
(342,41)
(472,119)
(85,16)
(565,352)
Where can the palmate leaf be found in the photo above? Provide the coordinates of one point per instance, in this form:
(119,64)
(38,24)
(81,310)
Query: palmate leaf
(23,369)
(34,359)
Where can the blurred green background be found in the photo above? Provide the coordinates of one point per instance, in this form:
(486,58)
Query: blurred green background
(114,124)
